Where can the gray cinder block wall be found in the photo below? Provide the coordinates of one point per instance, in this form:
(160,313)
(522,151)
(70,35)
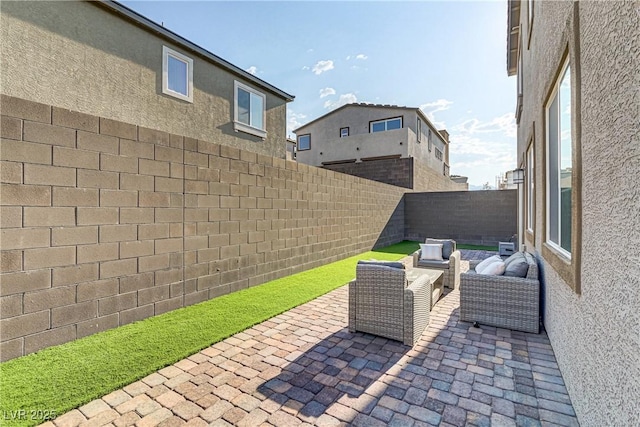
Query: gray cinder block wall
(407,172)
(104,223)
(473,217)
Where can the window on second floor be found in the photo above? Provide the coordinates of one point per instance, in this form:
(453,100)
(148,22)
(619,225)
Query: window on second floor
(429,139)
(386,124)
(177,74)
(304,142)
(438,154)
(344,132)
(249,111)
(419,130)
(560,164)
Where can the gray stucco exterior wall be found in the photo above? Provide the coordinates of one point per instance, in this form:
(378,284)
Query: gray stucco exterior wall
(594,332)
(81,56)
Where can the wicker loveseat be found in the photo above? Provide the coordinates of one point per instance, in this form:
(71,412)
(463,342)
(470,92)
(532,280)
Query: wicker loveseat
(381,302)
(449,264)
(502,301)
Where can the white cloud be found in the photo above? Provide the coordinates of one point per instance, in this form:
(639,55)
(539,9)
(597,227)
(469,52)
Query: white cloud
(346,98)
(480,158)
(322,66)
(505,124)
(305,68)
(252,70)
(294,121)
(360,56)
(327,91)
(430,108)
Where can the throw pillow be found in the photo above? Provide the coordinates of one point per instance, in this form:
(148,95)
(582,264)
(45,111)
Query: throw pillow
(485,263)
(494,269)
(448,246)
(431,251)
(517,268)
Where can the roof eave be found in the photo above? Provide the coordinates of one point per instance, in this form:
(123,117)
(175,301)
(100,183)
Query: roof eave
(152,26)
(513,36)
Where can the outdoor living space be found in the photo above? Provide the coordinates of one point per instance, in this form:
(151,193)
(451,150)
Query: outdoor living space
(303,367)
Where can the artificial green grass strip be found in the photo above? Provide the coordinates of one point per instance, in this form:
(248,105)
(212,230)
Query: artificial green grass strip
(58,379)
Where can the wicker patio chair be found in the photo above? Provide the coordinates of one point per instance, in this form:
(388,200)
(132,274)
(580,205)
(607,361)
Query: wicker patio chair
(502,301)
(450,264)
(381,302)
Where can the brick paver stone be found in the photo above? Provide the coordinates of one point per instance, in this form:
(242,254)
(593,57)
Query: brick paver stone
(304,367)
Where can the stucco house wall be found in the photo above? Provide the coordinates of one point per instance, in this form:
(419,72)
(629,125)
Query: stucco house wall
(361,143)
(591,302)
(86,56)
(419,167)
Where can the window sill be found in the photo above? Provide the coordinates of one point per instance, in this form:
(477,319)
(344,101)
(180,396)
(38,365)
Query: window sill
(564,266)
(177,95)
(241,127)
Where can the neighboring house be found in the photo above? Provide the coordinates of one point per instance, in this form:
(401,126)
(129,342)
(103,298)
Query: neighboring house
(291,149)
(387,143)
(104,59)
(578,144)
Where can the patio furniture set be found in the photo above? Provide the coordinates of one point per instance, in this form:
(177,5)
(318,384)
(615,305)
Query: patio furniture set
(390,300)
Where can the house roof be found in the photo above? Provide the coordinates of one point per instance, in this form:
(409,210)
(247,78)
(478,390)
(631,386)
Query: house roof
(151,26)
(367,105)
(513,36)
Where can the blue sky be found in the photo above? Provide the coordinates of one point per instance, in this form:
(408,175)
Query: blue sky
(446,57)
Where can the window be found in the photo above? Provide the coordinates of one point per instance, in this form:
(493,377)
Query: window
(387,124)
(530,189)
(304,142)
(438,154)
(429,140)
(419,129)
(249,110)
(177,74)
(559,165)
(344,132)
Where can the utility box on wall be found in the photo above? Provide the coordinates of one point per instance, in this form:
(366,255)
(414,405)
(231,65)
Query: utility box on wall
(506,248)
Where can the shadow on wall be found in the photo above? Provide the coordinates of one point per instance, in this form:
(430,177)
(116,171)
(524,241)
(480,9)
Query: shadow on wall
(393,231)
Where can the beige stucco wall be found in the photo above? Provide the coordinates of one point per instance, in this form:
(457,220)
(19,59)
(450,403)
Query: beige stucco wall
(594,333)
(325,137)
(82,57)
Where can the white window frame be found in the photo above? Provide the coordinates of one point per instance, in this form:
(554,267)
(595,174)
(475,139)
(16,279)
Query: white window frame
(243,127)
(386,122)
(557,168)
(419,130)
(345,134)
(530,188)
(166,53)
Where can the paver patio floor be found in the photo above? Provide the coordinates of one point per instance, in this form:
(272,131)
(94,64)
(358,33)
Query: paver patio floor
(303,367)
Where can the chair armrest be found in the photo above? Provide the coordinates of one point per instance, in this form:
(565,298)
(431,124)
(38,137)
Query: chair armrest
(417,305)
(416,258)
(454,267)
(352,305)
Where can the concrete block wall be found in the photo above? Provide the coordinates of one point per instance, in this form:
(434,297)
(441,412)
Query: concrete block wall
(104,223)
(406,172)
(473,217)
(426,178)
(397,172)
